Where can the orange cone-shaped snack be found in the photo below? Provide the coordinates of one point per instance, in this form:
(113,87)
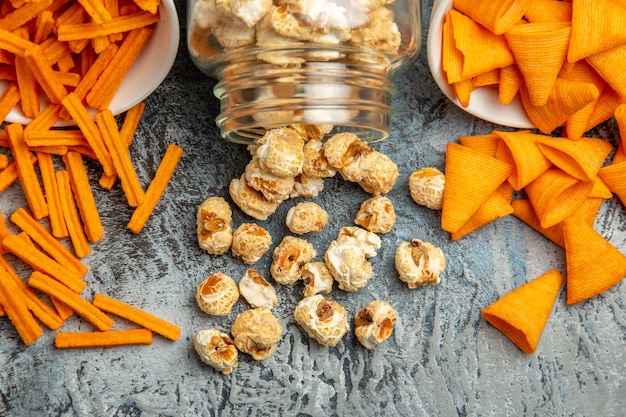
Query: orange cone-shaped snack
(610,65)
(511,80)
(579,158)
(496,207)
(614,176)
(487,144)
(522,314)
(497,16)
(593,264)
(522,149)
(549,11)
(605,107)
(523,210)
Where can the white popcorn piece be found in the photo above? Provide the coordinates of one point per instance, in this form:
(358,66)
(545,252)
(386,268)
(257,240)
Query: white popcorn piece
(374,323)
(317,278)
(379,173)
(322,319)
(315,163)
(273,187)
(205,15)
(426,187)
(216,349)
(234,34)
(306,217)
(376,214)
(248,11)
(280,152)
(370,242)
(347,263)
(214,231)
(250,243)
(257,333)
(251,201)
(257,291)
(290,254)
(307,186)
(315,132)
(288,25)
(342,151)
(217,294)
(419,263)
(381,33)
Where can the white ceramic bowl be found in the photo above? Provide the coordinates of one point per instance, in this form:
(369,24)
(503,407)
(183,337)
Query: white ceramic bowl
(146,74)
(484,101)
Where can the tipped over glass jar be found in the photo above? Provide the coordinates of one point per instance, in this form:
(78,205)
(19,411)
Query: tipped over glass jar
(303,62)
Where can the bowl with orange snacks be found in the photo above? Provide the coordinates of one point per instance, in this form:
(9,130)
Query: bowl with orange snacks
(540,64)
(111,57)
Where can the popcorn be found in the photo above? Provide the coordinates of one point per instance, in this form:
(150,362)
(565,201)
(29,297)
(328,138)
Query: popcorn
(257,291)
(306,217)
(322,319)
(312,132)
(374,323)
(419,263)
(257,332)
(250,243)
(216,349)
(376,214)
(381,33)
(307,186)
(234,34)
(317,278)
(217,294)
(370,242)
(280,152)
(214,232)
(315,163)
(426,187)
(248,11)
(273,188)
(251,201)
(288,257)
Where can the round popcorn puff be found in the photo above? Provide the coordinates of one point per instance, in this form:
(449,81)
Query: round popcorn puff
(376,214)
(381,33)
(370,242)
(250,243)
(217,294)
(273,188)
(307,186)
(322,319)
(234,34)
(315,163)
(290,254)
(317,278)
(213,220)
(257,291)
(343,152)
(379,173)
(426,187)
(216,349)
(280,152)
(374,323)
(257,333)
(419,263)
(306,217)
(251,201)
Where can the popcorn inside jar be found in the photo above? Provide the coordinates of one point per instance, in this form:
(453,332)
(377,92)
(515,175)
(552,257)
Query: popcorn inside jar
(299,62)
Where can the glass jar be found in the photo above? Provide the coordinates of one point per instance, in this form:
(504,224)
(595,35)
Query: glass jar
(304,62)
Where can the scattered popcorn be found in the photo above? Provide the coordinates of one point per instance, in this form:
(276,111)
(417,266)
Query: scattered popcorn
(214,231)
(419,263)
(280,152)
(251,201)
(374,323)
(370,242)
(380,175)
(317,278)
(288,257)
(315,163)
(307,186)
(376,214)
(257,332)
(322,319)
(217,294)
(306,217)
(257,291)
(216,349)
(250,243)
(426,187)
(273,188)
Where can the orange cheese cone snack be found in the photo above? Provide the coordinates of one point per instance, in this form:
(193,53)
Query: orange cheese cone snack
(497,16)
(579,158)
(521,147)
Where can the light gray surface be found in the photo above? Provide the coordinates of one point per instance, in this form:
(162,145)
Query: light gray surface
(442,358)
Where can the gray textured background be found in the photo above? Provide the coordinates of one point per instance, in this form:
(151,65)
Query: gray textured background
(442,358)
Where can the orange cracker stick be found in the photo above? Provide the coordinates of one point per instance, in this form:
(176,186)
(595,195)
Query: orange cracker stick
(96,10)
(142,318)
(14,43)
(70,214)
(46,118)
(44,24)
(84,196)
(65,340)
(63,310)
(121,159)
(60,137)
(27,83)
(47,241)
(83,308)
(13,303)
(125,23)
(44,74)
(9,175)
(69,79)
(42,262)
(9,99)
(156,188)
(86,124)
(26,172)
(21,16)
(109,81)
(46,169)
(4,230)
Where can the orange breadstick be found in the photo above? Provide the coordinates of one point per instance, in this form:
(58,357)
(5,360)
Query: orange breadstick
(47,241)
(111,78)
(84,196)
(9,99)
(24,14)
(28,177)
(46,118)
(65,340)
(14,43)
(44,24)
(125,23)
(62,137)
(70,214)
(156,188)
(27,84)
(63,310)
(44,74)
(13,302)
(83,308)
(86,124)
(142,318)
(46,169)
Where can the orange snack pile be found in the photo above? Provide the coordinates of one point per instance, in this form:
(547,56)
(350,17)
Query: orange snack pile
(561,184)
(66,60)
(566,58)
